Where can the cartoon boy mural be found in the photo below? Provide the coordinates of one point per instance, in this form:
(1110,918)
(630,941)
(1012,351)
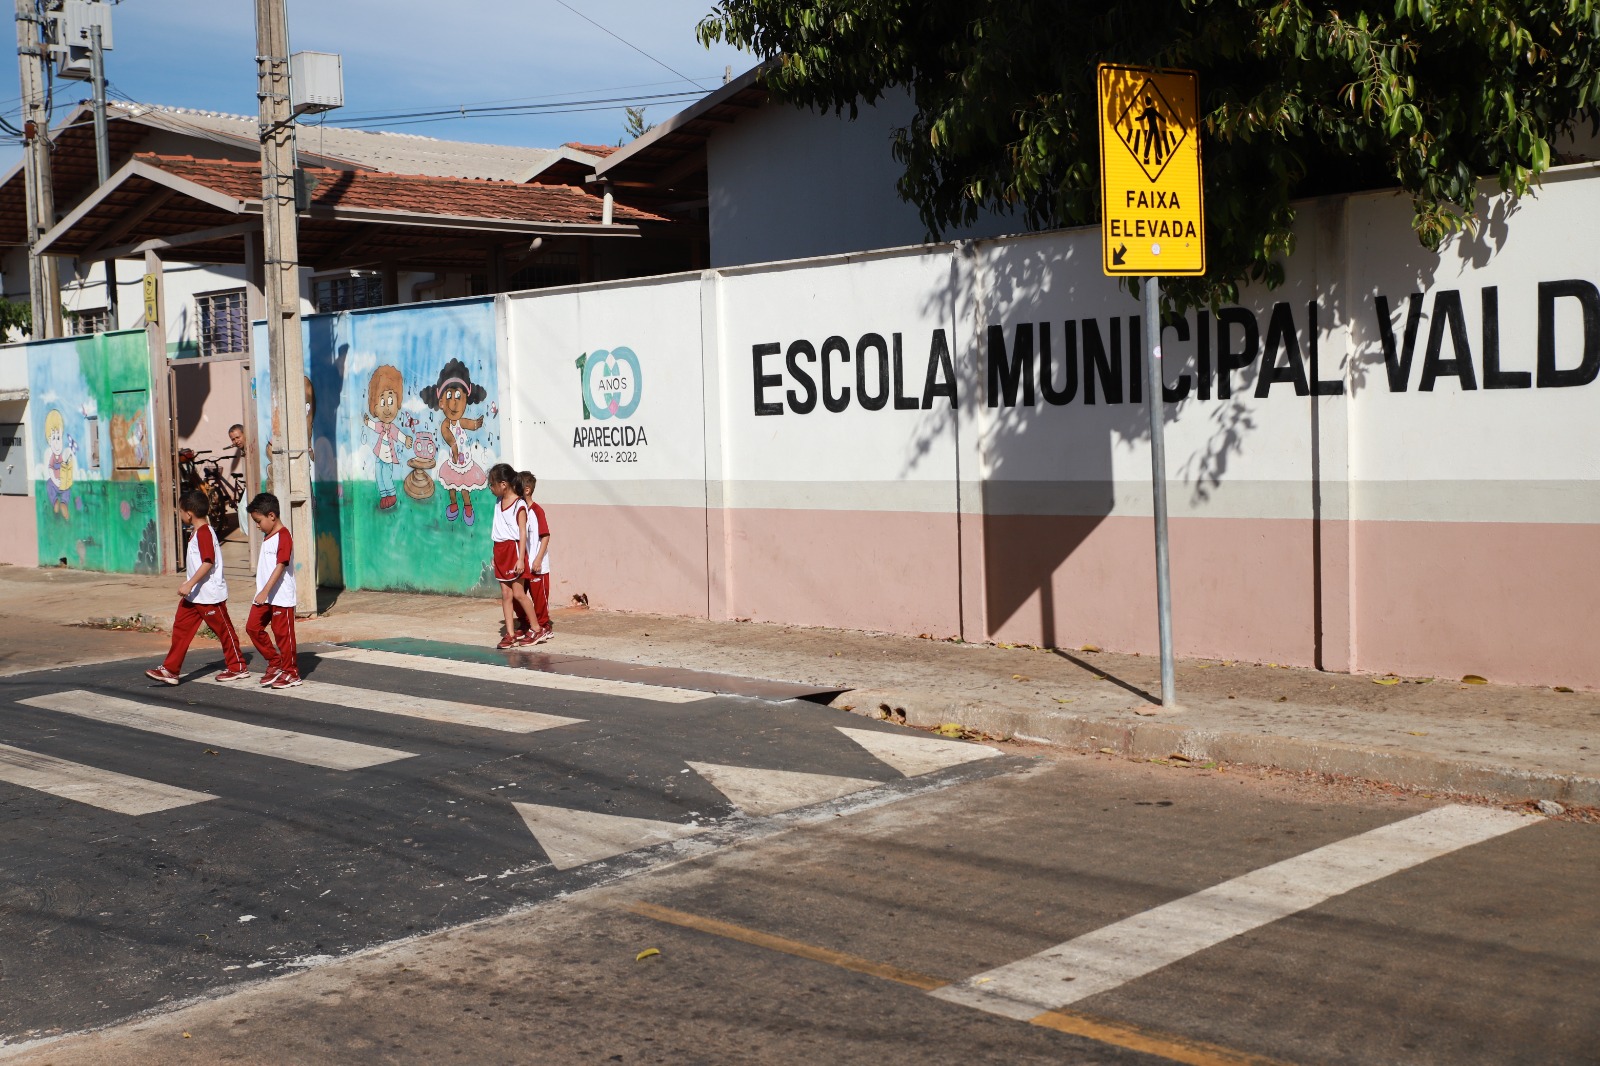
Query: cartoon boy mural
(450,396)
(59,461)
(384,390)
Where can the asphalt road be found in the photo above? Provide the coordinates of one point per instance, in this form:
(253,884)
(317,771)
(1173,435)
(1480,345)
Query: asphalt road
(1024,908)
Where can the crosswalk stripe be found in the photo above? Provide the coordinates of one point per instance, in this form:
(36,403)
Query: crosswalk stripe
(913,755)
(573,838)
(88,784)
(763,792)
(516,676)
(449,711)
(218,732)
(1123,951)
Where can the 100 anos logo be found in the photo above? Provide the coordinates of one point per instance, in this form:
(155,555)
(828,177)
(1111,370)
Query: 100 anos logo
(611,383)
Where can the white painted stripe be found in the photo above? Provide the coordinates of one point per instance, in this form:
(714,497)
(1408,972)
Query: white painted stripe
(448,711)
(218,732)
(87,784)
(512,675)
(1116,954)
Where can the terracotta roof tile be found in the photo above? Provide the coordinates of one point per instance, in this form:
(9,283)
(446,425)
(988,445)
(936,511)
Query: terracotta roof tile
(408,193)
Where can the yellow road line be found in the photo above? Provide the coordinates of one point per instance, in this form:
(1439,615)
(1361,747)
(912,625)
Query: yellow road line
(1137,1038)
(730,931)
(1118,1034)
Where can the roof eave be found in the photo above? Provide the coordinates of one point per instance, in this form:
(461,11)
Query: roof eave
(137,169)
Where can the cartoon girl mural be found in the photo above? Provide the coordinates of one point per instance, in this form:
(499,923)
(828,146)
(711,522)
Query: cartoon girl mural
(384,391)
(58,464)
(450,396)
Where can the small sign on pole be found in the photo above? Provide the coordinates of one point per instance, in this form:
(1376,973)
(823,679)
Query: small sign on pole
(1152,224)
(1152,207)
(152,300)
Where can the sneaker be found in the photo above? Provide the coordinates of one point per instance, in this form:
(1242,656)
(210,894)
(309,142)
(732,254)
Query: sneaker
(507,641)
(233,675)
(525,638)
(286,681)
(162,674)
(269,677)
(544,634)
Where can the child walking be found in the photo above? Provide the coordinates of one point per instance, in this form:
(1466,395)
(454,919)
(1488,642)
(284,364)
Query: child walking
(509,533)
(203,597)
(537,581)
(274,602)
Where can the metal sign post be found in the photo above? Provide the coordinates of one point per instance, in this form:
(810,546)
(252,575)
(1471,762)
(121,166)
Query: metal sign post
(1152,225)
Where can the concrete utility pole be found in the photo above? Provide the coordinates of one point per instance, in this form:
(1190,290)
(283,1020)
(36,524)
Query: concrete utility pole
(43,288)
(290,453)
(102,150)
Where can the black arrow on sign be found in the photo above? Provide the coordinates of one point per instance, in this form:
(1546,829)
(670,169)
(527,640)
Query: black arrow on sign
(1116,256)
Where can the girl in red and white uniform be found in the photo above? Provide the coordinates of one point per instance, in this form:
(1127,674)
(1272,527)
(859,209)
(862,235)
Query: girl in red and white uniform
(509,534)
(202,598)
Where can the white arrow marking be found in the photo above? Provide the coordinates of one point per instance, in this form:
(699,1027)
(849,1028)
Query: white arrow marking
(763,792)
(573,838)
(913,755)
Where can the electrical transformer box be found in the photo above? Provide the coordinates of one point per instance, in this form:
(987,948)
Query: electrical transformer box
(72,36)
(316,82)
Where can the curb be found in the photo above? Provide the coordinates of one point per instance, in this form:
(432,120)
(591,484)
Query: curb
(1153,740)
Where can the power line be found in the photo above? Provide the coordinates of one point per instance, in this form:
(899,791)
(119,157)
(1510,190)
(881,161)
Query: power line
(629,43)
(387,112)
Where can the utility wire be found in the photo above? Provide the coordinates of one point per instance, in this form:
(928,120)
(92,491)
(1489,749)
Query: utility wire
(629,43)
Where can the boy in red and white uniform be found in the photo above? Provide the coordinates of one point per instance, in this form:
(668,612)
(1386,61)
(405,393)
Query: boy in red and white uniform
(538,579)
(275,601)
(202,598)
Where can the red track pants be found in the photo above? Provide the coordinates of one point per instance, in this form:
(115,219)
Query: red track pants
(285,656)
(538,586)
(186,623)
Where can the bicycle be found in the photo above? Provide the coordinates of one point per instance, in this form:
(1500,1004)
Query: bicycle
(226,493)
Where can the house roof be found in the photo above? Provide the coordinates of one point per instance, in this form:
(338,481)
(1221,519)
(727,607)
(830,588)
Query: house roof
(207,206)
(670,159)
(73,171)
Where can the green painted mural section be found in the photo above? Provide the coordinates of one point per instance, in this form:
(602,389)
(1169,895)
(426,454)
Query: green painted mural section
(89,422)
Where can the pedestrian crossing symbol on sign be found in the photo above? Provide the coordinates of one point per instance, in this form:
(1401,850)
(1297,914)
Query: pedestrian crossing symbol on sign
(1150,128)
(1152,210)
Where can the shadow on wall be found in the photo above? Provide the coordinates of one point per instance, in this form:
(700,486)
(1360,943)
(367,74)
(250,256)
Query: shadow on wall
(1055,392)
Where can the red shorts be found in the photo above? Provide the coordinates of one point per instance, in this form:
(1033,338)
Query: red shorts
(505,561)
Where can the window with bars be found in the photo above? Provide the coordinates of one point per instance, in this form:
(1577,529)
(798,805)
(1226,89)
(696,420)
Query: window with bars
(90,320)
(549,270)
(223,322)
(346,292)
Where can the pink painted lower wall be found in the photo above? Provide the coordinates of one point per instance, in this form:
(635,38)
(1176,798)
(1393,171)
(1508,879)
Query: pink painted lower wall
(19,542)
(1241,588)
(1515,603)
(629,558)
(877,570)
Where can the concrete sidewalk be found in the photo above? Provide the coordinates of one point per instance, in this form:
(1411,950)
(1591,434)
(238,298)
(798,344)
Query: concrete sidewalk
(1505,742)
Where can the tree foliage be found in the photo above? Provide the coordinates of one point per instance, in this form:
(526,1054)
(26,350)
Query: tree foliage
(15,316)
(634,125)
(1298,98)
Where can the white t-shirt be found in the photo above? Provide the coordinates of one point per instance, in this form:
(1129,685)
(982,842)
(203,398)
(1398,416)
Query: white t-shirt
(278,548)
(202,550)
(505,522)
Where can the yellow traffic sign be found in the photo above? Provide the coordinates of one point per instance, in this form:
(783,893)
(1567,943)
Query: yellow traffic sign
(1152,211)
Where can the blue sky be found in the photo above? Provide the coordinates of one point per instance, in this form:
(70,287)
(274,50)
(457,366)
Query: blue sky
(401,55)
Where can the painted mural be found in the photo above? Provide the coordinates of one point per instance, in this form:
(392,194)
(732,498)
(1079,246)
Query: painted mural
(89,432)
(405,421)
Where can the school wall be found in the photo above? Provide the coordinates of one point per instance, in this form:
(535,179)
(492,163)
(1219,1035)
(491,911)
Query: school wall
(1387,463)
